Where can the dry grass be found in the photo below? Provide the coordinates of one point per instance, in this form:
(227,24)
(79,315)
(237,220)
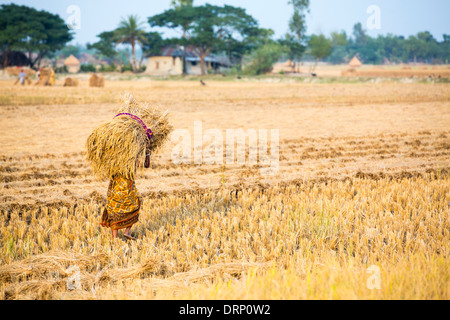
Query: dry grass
(406,72)
(321,231)
(363,180)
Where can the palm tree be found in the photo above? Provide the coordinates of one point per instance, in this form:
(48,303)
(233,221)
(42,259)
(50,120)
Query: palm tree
(130,31)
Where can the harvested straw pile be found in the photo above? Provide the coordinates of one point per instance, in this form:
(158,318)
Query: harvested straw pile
(118,146)
(47,77)
(71,82)
(48,276)
(41,266)
(97,80)
(14,71)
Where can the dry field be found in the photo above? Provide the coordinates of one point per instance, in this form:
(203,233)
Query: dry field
(431,72)
(363,182)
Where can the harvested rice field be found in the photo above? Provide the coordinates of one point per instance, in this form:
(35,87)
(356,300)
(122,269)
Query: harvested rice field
(356,204)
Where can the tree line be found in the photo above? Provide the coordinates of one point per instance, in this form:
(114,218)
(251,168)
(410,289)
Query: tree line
(423,48)
(209,29)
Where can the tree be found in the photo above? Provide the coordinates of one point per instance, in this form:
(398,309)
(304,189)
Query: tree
(209,28)
(364,46)
(320,48)
(338,47)
(359,34)
(181,3)
(31,31)
(105,46)
(296,38)
(153,44)
(130,31)
(70,49)
(181,16)
(445,49)
(263,58)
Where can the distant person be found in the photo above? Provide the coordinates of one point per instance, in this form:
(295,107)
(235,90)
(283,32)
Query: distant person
(22,76)
(38,74)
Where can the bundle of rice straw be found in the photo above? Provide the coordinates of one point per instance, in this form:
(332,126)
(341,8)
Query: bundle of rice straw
(71,82)
(47,77)
(97,80)
(117,146)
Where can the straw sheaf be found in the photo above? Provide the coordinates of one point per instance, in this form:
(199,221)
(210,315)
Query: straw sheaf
(117,147)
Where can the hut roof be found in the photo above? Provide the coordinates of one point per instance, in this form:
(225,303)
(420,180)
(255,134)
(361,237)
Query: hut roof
(71,61)
(355,62)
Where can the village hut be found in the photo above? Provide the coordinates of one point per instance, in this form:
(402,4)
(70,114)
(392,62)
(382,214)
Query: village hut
(355,63)
(72,64)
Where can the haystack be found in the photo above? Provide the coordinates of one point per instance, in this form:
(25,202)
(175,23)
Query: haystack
(117,147)
(71,82)
(72,64)
(355,63)
(97,80)
(47,77)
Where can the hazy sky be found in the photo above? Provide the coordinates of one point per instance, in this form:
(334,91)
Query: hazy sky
(400,17)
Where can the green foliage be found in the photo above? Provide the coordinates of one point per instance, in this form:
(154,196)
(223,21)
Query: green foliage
(127,68)
(108,68)
(294,48)
(130,31)
(87,68)
(295,39)
(31,31)
(263,58)
(62,69)
(422,47)
(210,29)
(153,44)
(181,3)
(105,47)
(320,46)
(70,49)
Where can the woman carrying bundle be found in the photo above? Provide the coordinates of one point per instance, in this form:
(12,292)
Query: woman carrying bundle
(116,150)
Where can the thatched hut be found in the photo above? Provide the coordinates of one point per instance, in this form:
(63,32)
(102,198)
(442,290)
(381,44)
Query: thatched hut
(355,63)
(72,64)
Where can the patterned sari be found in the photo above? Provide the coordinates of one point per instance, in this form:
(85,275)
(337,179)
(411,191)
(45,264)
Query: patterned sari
(122,204)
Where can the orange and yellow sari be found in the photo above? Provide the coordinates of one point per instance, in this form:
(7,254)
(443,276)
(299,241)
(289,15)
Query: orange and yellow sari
(122,204)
